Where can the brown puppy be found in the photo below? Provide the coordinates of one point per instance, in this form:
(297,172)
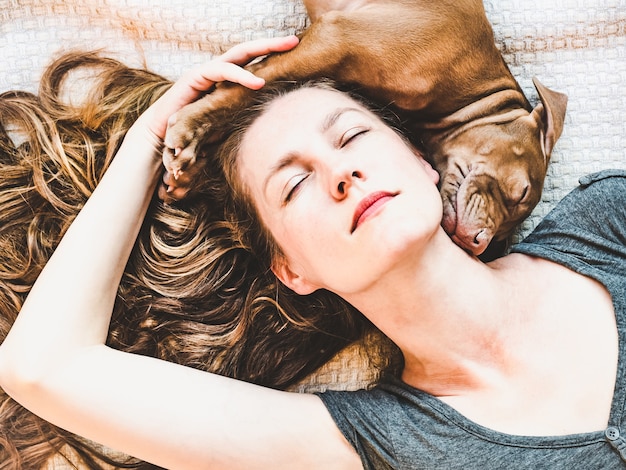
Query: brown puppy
(438,64)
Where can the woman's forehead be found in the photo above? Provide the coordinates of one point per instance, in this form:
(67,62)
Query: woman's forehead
(302,110)
(285,126)
(310,101)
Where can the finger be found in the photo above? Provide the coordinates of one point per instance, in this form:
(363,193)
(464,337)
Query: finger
(243,53)
(189,87)
(215,71)
(202,78)
(226,67)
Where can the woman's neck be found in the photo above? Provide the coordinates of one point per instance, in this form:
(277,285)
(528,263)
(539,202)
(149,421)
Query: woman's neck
(445,312)
(510,345)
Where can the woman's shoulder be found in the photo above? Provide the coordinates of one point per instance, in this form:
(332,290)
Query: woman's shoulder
(587,228)
(603,186)
(614,175)
(596,206)
(596,197)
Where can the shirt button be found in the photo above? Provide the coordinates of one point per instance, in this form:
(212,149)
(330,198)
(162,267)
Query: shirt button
(611,433)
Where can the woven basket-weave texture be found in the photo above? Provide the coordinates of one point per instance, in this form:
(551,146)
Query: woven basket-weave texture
(574,46)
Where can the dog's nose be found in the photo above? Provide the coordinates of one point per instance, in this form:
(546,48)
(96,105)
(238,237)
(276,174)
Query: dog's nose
(474,240)
(481,241)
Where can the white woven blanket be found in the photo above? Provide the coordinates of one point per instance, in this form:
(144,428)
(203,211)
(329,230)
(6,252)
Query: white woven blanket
(574,46)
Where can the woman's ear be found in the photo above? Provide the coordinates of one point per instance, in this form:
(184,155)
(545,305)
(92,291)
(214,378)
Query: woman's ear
(291,279)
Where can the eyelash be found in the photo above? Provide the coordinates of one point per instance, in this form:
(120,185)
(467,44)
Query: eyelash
(293,190)
(351,134)
(346,138)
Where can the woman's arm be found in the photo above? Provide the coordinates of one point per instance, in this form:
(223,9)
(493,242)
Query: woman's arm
(54,360)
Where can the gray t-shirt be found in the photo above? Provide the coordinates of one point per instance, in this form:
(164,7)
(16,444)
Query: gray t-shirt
(395,426)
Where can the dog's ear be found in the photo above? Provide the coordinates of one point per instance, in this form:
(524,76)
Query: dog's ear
(550,112)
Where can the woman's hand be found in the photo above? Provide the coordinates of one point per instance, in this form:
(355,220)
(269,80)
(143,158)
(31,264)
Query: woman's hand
(69,307)
(227,67)
(55,361)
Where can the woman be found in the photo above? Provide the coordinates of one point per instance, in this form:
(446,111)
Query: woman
(499,355)
(191,292)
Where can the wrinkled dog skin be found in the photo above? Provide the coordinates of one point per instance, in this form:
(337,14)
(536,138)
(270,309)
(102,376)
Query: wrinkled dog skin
(438,65)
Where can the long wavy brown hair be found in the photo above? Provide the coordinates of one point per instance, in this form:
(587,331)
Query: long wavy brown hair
(197,289)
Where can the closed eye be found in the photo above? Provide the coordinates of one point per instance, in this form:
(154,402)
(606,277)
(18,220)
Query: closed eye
(352,134)
(293,185)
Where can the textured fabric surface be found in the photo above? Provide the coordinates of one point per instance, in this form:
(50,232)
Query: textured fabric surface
(574,46)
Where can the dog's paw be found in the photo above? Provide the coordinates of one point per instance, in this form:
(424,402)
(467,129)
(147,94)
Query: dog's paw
(191,130)
(181,142)
(185,130)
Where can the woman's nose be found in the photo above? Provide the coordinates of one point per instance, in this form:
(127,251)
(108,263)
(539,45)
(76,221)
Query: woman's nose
(343,182)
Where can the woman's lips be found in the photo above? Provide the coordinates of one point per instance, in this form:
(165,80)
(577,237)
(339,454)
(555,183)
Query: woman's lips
(368,206)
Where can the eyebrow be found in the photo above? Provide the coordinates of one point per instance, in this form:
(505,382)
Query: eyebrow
(334,116)
(329,121)
(285,161)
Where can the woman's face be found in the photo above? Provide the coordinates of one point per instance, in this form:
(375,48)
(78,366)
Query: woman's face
(344,196)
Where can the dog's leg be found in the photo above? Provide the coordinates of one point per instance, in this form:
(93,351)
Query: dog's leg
(338,45)
(319,53)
